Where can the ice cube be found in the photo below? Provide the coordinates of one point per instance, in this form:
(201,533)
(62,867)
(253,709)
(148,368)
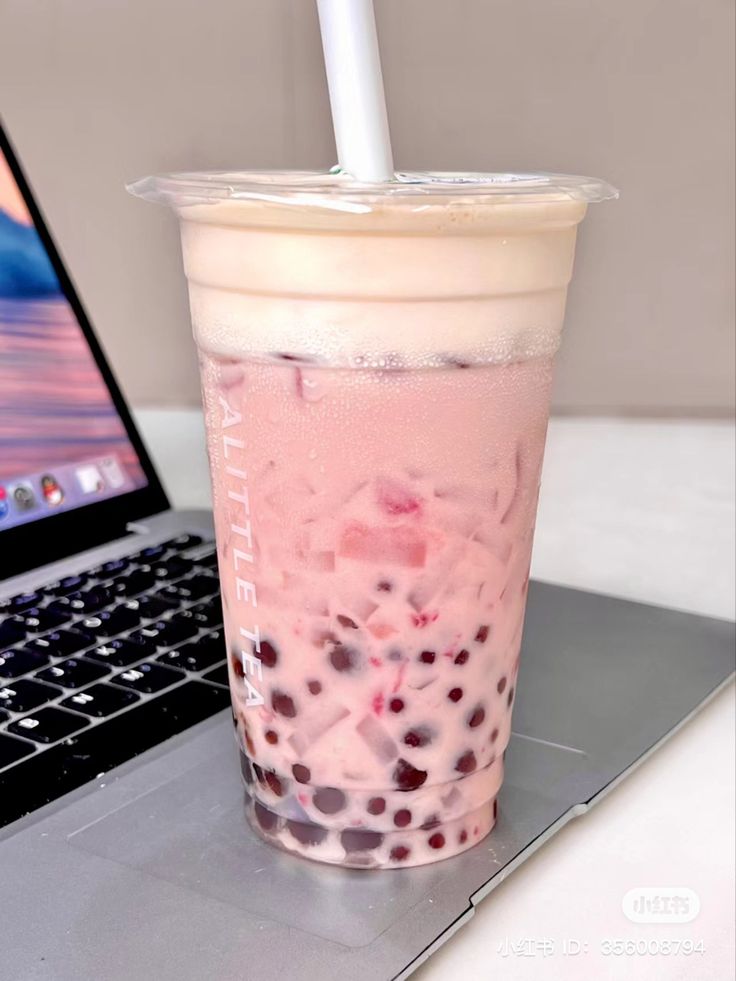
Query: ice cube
(314,726)
(400,545)
(377,739)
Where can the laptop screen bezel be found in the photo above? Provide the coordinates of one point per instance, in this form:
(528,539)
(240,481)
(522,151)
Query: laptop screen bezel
(57,536)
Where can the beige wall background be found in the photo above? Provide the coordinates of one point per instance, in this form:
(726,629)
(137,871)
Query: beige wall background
(641,92)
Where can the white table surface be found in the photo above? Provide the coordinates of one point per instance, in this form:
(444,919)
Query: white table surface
(643,510)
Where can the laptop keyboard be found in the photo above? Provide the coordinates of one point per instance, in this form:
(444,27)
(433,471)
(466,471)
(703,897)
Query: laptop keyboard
(100,666)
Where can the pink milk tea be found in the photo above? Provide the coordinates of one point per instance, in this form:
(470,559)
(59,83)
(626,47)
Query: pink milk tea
(376,369)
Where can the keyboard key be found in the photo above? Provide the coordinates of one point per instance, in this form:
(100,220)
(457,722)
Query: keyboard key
(11,632)
(48,724)
(100,700)
(182,542)
(209,560)
(205,652)
(150,553)
(152,607)
(120,653)
(137,581)
(208,614)
(109,569)
(148,678)
(108,623)
(14,663)
(60,643)
(218,675)
(23,601)
(38,619)
(88,601)
(70,584)
(24,695)
(12,750)
(193,588)
(47,776)
(166,633)
(172,568)
(73,673)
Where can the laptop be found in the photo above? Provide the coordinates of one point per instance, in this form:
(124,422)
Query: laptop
(123,843)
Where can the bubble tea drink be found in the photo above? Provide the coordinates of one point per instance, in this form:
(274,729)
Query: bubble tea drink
(376,366)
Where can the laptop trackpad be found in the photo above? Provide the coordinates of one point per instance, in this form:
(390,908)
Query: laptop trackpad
(191,831)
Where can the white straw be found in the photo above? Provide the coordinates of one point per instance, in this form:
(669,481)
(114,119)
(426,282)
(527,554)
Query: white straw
(356,88)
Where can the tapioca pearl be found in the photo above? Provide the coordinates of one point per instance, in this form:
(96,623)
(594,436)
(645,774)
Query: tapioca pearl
(267,654)
(510,699)
(267,819)
(384,586)
(246,769)
(302,774)
(494,735)
(259,774)
(399,853)
(346,622)
(482,635)
(274,782)
(467,762)
(344,658)
(408,777)
(427,657)
(358,840)
(462,657)
(437,840)
(237,666)
(396,705)
(376,806)
(476,717)
(402,818)
(271,737)
(418,736)
(307,834)
(432,821)
(329,800)
(462,837)
(455,694)
(314,687)
(501,686)
(495,809)
(283,704)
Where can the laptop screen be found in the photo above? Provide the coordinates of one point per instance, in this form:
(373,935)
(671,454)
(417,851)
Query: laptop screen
(63,444)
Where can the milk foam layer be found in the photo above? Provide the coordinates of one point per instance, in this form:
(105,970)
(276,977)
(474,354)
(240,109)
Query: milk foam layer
(409,283)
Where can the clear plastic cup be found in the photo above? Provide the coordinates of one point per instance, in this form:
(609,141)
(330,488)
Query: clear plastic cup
(376,364)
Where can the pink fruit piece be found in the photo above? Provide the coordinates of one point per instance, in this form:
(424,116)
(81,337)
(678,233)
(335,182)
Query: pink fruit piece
(377,739)
(455,694)
(307,834)
(329,800)
(355,840)
(462,657)
(393,498)
(408,777)
(396,704)
(399,853)
(402,545)
(313,727)
(482,634)
(283,704)
(381,631)
(377,703)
